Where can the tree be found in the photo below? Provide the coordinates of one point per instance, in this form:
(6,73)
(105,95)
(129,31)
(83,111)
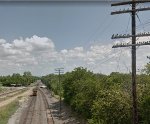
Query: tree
(147,69)
(111,106)
(27,74)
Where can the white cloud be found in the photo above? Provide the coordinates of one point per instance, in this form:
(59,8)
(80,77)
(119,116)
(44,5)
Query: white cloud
(38,54)
(64,51)
(25,51)
(2,41)
(40,44)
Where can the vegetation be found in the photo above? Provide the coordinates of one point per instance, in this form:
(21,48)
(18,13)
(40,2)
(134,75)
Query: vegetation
(17,79)
(7,111)
(104,99)
(13,80)
(51,81)
(1,87)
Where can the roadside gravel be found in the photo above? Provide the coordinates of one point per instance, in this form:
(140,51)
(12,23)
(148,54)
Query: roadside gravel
(67,116)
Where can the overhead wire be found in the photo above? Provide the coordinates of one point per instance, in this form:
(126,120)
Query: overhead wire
(97,29)
(115,54)
(103,30)
(108,59)
(119,58)
(126,31)
(141,24)
(128,24)
(118,61)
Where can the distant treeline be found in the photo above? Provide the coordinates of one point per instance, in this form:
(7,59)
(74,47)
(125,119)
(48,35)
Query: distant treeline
(18,80)
(103,99)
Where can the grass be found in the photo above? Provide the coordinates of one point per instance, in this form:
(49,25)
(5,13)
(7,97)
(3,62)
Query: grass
(7,111)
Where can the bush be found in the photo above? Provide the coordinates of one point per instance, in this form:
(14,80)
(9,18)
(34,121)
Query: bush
(111,106)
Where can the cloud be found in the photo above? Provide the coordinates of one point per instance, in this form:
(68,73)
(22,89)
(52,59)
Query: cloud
(39,55)
(40,44)
(24,51)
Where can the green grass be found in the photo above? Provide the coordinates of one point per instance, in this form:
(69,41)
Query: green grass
(7,111)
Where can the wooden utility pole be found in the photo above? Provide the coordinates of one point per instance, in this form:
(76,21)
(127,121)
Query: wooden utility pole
(59,71)
(133,45)
(134,94)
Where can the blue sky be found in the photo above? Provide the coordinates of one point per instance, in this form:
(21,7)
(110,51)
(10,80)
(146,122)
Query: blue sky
(69,24)
(73,28)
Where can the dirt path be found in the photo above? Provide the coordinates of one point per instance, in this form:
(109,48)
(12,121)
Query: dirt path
(6,102)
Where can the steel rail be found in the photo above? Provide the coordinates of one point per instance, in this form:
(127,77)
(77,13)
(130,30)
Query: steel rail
(3,94)
(32,102)
(50,119)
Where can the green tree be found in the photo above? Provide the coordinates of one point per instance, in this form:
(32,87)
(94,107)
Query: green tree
(146,69)
(27,74)
(111,106)
(80,90)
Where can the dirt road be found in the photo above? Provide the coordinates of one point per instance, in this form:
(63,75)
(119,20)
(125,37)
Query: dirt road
(11,99)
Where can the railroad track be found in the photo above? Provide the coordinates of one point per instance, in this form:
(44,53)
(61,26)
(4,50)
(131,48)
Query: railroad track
(38,111)
(50,119)
(3,96)
(13,91)
(28,115)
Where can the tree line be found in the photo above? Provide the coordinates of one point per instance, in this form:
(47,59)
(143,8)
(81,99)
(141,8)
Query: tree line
(103,99)
(18,80)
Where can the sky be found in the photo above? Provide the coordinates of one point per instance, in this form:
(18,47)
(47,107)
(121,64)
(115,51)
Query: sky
(42,36)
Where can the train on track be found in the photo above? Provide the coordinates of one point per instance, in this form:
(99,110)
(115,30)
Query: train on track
(34,92)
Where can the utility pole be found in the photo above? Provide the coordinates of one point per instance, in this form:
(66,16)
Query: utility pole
(59,71)
(134,94)
(133,12)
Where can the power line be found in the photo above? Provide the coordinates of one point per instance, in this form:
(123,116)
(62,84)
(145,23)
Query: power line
(128,24)
(147,22)
(142,24)
(118,60)
(97,29)
(106,59)
(103,30)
